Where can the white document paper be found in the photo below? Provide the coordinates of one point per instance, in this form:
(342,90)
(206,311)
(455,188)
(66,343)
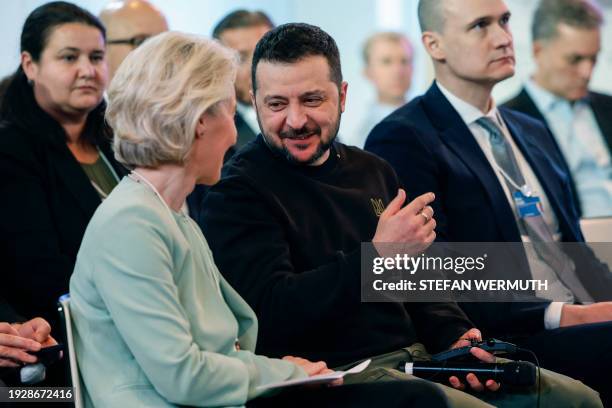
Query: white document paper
(316,379)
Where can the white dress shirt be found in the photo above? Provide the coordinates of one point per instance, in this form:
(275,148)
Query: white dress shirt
(376,112)
(539,269)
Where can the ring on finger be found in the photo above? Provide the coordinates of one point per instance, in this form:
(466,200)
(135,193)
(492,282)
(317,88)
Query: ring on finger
(427,217)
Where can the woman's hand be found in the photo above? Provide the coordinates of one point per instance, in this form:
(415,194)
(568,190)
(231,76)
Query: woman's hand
(316,368)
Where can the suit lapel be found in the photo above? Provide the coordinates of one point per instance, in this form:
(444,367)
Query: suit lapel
(602,116)
(456,135)
(245,133)
(542,167)
(110,156)
(529,106)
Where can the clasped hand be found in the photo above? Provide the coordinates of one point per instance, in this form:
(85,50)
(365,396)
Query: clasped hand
(19,338)
(485,356)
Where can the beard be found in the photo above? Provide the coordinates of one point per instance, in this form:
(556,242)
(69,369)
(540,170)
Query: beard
(303,132)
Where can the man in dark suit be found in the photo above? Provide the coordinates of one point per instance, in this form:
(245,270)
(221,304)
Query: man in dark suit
(241,30)
(449,140)
(566,41)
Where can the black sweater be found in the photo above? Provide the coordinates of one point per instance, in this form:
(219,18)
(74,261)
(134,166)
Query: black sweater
(288,237)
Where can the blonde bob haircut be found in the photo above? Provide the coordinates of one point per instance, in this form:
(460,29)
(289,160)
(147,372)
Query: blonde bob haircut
(159,93)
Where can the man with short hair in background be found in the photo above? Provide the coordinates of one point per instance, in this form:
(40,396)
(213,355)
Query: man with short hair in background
(566,43)
(241,30)
(489,167)
(388,58)
(128,24)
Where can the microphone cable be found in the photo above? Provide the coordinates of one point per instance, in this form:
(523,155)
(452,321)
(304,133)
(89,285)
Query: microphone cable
(537,364)
(436,375)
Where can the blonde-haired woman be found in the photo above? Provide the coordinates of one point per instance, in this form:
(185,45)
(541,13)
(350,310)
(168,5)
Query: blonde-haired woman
(156,325)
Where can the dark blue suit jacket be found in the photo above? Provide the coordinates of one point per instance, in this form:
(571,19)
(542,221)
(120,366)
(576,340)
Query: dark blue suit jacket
(432,149)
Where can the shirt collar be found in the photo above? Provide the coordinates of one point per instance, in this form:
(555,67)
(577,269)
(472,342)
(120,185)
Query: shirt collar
(468,112)
(543,98)
(546,100)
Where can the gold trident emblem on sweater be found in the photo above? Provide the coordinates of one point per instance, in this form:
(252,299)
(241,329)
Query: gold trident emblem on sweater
(377,205)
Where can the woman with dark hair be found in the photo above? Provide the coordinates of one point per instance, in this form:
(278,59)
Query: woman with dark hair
(55,157)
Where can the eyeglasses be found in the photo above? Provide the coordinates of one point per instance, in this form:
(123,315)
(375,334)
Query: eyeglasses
(135,41)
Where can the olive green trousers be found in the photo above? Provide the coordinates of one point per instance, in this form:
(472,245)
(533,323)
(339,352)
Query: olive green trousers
(554,390)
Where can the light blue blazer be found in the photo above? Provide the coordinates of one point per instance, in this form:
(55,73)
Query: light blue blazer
(156,324)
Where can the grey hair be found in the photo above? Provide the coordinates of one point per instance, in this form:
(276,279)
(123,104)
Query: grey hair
(549,14)
(160,92)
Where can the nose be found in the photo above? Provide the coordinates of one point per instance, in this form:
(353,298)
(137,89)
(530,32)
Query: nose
(86,68)
(585,69)
(503,37)
(296,117)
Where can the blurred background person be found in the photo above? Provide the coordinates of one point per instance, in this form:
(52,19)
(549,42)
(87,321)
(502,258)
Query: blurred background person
(55,156)
(241,30)
(388,66)
(566,43)
(128,24)
(155,322)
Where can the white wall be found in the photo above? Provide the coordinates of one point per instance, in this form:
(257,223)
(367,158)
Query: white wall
(348,21)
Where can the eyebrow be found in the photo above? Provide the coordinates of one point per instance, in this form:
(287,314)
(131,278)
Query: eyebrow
(316,92)
(267,98)
(487,19)
(583,56)
(70,49)
(75,49)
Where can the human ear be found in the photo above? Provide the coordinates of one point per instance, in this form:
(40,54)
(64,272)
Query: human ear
(433,45)
(30,68)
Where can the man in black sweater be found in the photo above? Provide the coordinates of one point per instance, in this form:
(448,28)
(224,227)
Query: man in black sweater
(286,222)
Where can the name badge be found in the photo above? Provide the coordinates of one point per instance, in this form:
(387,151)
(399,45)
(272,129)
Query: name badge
(527,206)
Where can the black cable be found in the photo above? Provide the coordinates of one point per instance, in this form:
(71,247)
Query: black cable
(537,363)
(518,350)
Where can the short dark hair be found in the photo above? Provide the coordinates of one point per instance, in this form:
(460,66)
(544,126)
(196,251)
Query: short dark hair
(576,13)
(241,19)
(289,43)
(41,22)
